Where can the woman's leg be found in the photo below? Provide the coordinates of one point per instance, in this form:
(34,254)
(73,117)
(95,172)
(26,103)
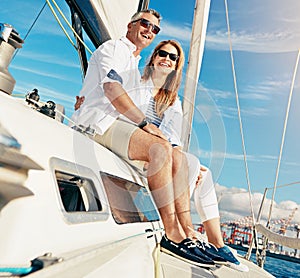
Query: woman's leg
(203,190)
(207,207)
(205,199)
(213,232)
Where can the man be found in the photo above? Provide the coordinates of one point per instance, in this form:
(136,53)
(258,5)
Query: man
(111,77)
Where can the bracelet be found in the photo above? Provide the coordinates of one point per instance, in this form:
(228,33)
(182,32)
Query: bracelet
(143,123)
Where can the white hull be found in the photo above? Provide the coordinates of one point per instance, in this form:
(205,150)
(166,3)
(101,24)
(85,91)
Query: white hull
(38,224)
(79,244)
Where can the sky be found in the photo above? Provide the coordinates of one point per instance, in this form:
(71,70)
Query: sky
(265,39)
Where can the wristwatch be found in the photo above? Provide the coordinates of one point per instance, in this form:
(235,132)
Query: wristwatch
(143,123)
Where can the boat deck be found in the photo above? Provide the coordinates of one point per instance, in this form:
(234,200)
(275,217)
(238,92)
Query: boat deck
(113,261)
(219,271)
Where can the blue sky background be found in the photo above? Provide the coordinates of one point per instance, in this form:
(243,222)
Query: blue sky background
(265,38)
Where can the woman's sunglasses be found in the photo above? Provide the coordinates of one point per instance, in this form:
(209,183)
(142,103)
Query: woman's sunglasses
(146,23)
(163,54)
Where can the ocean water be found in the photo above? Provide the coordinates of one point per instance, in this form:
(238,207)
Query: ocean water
(282,269)
(279,268)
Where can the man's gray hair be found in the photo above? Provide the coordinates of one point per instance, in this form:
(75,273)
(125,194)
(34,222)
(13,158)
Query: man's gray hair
(139,14)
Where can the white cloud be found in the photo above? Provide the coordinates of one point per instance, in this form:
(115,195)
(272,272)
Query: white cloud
(280,33)
(234,205)
(44,73)
(275,42)
(216,93)
(235,201)
(267,89)
(179,32)
(48,58)
(267,26)
(235,156)
(223,102)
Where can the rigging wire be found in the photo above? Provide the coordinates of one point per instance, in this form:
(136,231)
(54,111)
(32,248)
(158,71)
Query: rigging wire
(284,185)
(30,28)
(255,238)
(283,136)
(265,242)
(239,111)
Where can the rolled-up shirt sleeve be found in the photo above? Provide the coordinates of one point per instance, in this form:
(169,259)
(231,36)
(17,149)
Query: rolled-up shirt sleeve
(112,64)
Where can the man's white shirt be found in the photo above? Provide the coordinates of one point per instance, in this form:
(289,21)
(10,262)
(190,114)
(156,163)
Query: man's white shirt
(113,61)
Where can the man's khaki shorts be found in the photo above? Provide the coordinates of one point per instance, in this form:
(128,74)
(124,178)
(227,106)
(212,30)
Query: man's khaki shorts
(117,139)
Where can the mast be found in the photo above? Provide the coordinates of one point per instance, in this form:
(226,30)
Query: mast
(201,12)
(144,4)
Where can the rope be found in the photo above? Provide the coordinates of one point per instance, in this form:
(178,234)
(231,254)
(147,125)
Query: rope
(67,22)
(157,261)
(283,136)
(69,120)
(60,24)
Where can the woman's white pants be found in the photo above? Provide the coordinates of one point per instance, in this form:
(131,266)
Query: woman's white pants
(204,194)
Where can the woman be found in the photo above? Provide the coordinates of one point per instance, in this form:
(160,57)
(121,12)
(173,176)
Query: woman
(160,103)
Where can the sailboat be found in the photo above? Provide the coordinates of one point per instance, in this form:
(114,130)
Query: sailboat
(68,206)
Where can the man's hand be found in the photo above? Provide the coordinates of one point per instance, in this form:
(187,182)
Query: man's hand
(79,101)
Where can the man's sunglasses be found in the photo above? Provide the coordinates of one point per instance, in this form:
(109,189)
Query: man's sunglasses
(146,23)
(163,54)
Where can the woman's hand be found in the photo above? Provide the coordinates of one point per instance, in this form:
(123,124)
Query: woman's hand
(199,179)
(154,130)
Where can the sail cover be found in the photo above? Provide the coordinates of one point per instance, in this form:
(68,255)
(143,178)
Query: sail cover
(277,238)
(106,19)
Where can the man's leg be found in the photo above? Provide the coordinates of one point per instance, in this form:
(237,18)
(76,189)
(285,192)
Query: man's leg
(182,192)
(139,145)
(158,153)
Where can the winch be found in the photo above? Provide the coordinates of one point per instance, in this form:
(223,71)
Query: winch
(9,42)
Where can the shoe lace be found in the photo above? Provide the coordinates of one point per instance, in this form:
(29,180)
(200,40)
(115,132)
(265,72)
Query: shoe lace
(200,244)
(198,236)
(202,241)
(190,244)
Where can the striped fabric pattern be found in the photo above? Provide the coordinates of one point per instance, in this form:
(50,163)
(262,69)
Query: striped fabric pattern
(151,113)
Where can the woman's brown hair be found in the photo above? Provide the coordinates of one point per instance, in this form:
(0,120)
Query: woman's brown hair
(168,93)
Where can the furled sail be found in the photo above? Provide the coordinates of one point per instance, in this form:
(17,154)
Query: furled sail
(106,19)
(122,11)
